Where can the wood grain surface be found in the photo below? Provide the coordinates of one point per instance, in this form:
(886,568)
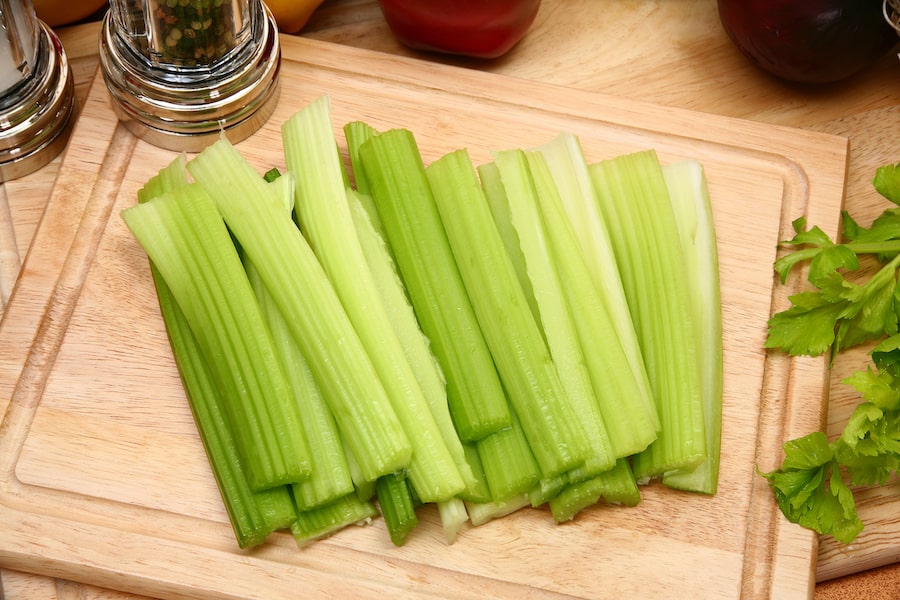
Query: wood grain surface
(671,53)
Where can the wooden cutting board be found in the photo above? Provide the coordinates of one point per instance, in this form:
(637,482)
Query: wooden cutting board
(103,478)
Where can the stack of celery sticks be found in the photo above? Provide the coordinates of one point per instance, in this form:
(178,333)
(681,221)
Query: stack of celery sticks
(358,338)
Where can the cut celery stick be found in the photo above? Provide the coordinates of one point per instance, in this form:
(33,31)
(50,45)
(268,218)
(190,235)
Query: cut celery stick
(569,168)
(356,133)
(516,200)
(693,214)
(324,521)
(526,368)
(546,489)
(634,199)
(616,486)
(323,211)
(402,195)
(304,295)
(628,414)
(507,461)
(413,342)
(480,492)
(188,243)
(329,477)
(453,517)
(397,506)
(253,515)
(481,513)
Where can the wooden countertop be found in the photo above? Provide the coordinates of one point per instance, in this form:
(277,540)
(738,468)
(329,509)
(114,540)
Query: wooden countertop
(672,53)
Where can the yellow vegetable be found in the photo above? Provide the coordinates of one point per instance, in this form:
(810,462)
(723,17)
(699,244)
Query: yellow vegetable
(56,13)
(292,15)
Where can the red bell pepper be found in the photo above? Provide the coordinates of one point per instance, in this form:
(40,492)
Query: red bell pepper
(478,28)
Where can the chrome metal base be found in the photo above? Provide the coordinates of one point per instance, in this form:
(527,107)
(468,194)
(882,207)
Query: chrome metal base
(186,113)
(36,122)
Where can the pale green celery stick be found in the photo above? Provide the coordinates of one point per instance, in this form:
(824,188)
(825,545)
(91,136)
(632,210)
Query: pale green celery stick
(324,521)
(693,213)
(188,243)
(569,168)
(453,517)
(623,400)
(481,513)
(310,306)
(633,196)
(356,133)
(616,486)
(323,211)
(402,195)
(515,200)
(529,376)
(397,506)
(507,461)
(480,492)
(415,345)
(329,477)
(253,515)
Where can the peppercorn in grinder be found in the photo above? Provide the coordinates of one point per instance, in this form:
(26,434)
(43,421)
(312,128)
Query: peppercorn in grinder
(183,72)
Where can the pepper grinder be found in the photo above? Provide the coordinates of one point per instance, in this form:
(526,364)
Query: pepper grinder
(181,73)
(37,92)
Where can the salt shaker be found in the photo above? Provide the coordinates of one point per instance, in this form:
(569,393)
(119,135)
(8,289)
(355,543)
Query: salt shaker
(181,73)
(37,92)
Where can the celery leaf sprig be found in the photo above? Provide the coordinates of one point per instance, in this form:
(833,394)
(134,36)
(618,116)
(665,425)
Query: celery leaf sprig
(810,485)
(841,313)
(813,484)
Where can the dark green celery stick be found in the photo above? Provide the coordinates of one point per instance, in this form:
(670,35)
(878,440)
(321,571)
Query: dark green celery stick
(634,199)
(310,305)
(397,506)
(188,243)
(319,523)
(325,216)
(329,477)
(253,515)
(616,486)
(403,198)
(479,491)
(693,214)
(526,368)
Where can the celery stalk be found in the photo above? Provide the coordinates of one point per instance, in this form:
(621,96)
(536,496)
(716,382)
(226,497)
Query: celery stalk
(634,198)
(623,398)
(569,169)
(405,204)
(397,506)
(253,515)
(413,342)
(693,214)
(507,461)
(453,517)
(616,486)
(188,243)
(310,305)
(553,429)
(324,214)
(484,512)
(516,200)
(329,477)
(319,523)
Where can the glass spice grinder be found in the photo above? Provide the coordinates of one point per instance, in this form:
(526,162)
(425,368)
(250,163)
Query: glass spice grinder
(183,72)
(37,92)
